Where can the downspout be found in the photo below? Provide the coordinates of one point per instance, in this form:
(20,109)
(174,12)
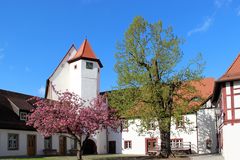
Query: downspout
(197,131)
(107,140)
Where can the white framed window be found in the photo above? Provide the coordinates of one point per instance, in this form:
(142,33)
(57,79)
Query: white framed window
(48,142)
(177,143)
(23,116)
(13,141)
(124,125)
(127,144)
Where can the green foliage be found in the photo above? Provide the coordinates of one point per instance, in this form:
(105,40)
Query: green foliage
(150,79)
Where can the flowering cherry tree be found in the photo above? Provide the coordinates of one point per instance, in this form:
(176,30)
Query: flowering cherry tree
(73,116)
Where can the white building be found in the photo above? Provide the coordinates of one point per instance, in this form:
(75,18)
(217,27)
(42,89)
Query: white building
(227,98)
(17,139)
(79,72)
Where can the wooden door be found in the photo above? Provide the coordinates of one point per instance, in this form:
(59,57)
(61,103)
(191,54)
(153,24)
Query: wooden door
(62,146)
(151,144)
(31,145)
(112,147)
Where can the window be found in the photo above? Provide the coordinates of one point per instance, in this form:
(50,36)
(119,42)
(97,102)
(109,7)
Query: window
(73,144)
(125,125)
(127,144)
(180,122)
(208,143)
(196,99)
(177,143)
(12,141)
(75,66)
(89,65)
(48,142)
(151,126)
(23,116)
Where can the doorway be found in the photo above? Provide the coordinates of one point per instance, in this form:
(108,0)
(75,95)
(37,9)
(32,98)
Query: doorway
(112,147)
(31,145)
(150,144)
(62,145)
(90,147)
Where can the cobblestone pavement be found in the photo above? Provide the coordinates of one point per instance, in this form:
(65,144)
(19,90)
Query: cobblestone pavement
(207,157)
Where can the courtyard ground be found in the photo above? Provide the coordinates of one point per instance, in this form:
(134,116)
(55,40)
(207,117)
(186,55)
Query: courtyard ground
(207,157)
(120,157)
(96,157)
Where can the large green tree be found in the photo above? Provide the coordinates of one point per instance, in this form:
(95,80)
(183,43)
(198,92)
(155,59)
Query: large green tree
(151,80)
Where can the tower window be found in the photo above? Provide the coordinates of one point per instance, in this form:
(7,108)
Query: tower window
(89,65)
(75,66)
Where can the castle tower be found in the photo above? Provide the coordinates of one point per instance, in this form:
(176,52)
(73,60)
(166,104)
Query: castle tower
(84,72)
(78,72)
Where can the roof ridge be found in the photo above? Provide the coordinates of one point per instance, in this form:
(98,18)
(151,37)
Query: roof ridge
(84,47)
(62,60)
(13,92)
(238,56)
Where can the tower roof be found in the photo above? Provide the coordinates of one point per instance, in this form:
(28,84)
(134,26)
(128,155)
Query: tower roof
(85,52)
(233,71)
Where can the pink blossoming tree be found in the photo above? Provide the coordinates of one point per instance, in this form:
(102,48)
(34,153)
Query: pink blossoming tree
(73,116)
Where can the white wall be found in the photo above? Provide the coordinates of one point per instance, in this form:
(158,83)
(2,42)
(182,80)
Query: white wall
(231,141)
(101,142)
(22,148)
(61,76)
(206,120)
(188,133)
(89,78)
(133,134)
(75,77)
(74,83)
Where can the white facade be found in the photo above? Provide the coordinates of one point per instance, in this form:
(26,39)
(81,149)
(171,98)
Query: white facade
(229,120)
(207,129)
(22,143)
(187,133)
(76,77)
(133,134)
(231,140)
(60,77)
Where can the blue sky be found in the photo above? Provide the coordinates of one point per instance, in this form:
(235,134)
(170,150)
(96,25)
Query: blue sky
(35,35)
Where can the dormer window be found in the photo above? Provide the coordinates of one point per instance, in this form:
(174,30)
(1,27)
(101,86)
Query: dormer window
(151,126)
(196,99)
(23,116)
(180,122)
(89,65)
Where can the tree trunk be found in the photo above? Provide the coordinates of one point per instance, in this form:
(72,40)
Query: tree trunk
(84,144)
(165,144)
(165,151)
(79,151)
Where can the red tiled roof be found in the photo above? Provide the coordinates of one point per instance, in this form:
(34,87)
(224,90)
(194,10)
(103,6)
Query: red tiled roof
(204,87)
(202,90)
(85,52)
(233,71)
